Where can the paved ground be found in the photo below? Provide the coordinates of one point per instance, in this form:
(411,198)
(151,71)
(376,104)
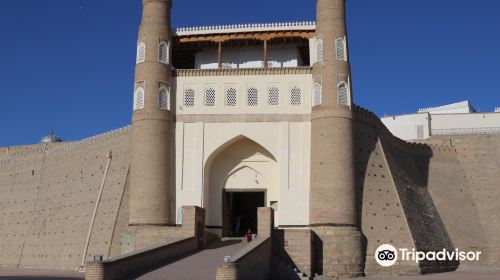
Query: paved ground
(487,274)
(202,265)
(8,274)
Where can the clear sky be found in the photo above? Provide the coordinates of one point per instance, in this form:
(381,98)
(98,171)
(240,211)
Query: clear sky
(67,65)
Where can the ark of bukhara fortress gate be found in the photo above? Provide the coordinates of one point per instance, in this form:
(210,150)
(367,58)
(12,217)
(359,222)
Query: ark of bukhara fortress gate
(231,118)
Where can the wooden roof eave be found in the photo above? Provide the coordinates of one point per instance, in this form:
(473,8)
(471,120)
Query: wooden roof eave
(261,36)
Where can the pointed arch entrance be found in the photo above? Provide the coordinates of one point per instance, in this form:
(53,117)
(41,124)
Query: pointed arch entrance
(239,177)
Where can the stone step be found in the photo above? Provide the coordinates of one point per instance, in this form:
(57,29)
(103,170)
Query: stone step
(302,276)
(290,268)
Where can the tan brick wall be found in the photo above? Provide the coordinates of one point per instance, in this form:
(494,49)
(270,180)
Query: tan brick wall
(47,201)
(396,205)
(383,218)
(152,198)
(229,272)
(121,225)
(265,221)
(143,237)
(464,186)
(338,251)
(332,181)
(439,196)
(294,246)
(429,233)
(151,246)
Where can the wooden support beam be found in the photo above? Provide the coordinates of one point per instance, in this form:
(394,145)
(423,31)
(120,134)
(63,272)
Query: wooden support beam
(219,55)
(265,54)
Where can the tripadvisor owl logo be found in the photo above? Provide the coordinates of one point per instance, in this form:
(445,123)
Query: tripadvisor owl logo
(386,255)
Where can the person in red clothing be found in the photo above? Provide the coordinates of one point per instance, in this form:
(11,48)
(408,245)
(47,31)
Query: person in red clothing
(248,236)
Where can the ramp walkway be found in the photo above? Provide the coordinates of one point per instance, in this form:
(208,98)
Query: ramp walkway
(201,265)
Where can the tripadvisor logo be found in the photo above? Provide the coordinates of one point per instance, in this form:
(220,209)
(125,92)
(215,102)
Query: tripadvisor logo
(387,255)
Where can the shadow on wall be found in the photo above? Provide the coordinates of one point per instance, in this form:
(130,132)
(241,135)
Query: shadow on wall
(425,223)
(298,251)
(318,252)
(286,267)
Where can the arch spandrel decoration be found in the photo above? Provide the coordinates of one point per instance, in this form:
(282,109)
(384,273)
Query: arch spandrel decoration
(219,146)
(244,177)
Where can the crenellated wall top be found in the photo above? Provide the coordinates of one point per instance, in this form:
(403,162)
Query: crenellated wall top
(58,148)
(242,28)
(370,118)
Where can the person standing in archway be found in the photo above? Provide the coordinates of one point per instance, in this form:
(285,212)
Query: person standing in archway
(237,224)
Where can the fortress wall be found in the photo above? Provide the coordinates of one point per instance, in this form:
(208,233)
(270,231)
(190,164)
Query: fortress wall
(19,182)
(383,220)
(410,176)
(480,157)
(48,198)
(112,199)
(8,153)
(463,181)
(397,207)
(121,224)
(127,239)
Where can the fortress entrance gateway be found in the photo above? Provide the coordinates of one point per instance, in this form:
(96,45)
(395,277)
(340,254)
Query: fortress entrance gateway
(239,210)
(242,176)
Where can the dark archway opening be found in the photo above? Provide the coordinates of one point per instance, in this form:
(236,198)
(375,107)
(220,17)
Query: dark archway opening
(240,212)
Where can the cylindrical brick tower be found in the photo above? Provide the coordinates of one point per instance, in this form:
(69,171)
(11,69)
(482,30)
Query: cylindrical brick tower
(333,197)
(151,172)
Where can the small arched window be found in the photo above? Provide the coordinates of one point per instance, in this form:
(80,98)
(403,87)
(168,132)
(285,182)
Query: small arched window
(317,94)
(141,52)
(295,96)
(252,97)
(319,49)
(189,97)
(164,52)
(231,97)
(164,98)
(274,96)
(209,97)
(341,49)
(343,94)
(139,98)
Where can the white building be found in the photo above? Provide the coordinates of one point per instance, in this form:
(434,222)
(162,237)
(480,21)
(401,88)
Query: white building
(453,119)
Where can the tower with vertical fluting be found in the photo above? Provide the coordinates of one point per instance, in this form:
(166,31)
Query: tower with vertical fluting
(151,170)
(333,196)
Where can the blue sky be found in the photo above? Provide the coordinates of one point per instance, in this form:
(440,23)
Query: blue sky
(67,65)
